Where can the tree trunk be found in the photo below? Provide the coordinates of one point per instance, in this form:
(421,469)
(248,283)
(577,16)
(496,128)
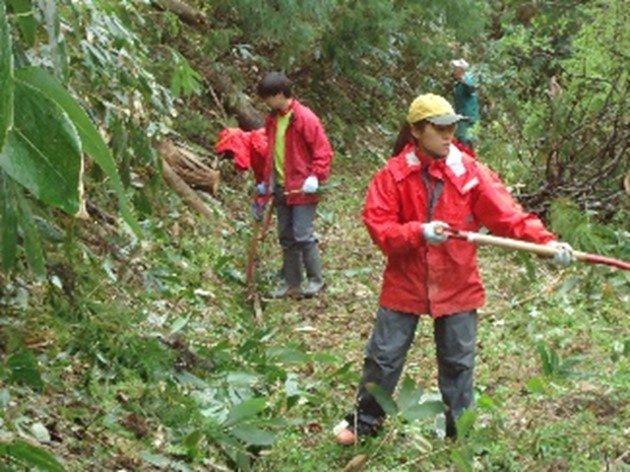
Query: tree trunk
(235,102)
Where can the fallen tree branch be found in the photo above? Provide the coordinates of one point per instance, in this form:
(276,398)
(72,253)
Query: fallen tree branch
(190,167)
(188,195)
(188,14)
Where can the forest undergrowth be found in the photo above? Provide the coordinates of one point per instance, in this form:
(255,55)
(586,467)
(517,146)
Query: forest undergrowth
(146,355)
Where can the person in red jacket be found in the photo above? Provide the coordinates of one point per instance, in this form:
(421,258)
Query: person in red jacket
(298,161)
(428,186)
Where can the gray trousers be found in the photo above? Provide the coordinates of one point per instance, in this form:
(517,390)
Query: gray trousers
(387,349)
(297,239)
(295,223)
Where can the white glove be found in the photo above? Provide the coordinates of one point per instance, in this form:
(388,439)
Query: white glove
(432,232)
(310,185)
(261,188)
(564,253)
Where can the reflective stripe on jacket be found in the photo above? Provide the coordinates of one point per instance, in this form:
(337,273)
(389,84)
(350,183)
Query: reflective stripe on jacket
(439,279)
(307,152)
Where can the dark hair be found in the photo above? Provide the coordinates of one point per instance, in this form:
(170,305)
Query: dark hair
(274,83)
(405,137)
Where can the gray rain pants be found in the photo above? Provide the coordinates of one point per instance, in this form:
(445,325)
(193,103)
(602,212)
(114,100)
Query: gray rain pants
(386,351)
(297,239)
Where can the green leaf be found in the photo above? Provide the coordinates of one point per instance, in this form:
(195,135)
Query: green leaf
(245,410)
(6,77)
(408,396)
(31,457)
(383,398)
(287,355)
(536,384)
(179,324)
(423,410)
(32,241)
(26,21)
(462,463)
(192,442)
(253,436)
(43,151)
(465,423)
(8,223)
(24,369)
(92,141)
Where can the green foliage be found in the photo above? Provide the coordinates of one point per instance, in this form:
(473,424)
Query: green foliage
(148,352)
(91,139)
(295,28)
(23,454)
(557,90)
(24,369)
(6,77)
(43,150)
(409,406)
(186,81)
(9,223)
(578,228)
(552,365)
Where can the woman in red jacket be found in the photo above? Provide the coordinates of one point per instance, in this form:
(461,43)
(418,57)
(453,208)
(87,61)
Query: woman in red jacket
(428,186)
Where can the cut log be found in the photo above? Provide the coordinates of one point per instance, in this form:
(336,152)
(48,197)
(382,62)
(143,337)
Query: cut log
(188,195)
(189,166)
(188,14)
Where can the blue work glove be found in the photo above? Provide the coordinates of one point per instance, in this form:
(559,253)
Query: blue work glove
(258,210)
(311,184)
(261,188)
(564,253)
(432,234)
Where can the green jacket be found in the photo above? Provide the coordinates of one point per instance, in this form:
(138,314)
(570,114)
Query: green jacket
(466,102)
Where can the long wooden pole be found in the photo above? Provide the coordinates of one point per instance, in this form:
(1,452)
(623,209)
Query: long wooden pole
(540,249)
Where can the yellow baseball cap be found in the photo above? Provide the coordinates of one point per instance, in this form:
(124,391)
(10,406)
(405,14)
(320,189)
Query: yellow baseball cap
(433,108)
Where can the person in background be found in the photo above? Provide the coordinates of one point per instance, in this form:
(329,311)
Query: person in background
(427,188)
(297,162)
(466,102)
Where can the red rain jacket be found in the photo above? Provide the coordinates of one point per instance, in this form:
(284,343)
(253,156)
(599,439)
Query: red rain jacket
(246,146)
(439,279)
(307,152)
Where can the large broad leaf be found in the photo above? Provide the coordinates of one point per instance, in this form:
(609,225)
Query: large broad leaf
(253,436)
(31,457)
(408,395)
(245,410)
(383,398)
(32,241)
(24,369)
(465,423)
(43,151)
(25,18)
(8,223)
(423,410)
(6,77)
(93,143)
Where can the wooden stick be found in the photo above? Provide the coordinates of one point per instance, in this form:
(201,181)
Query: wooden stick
(540,249)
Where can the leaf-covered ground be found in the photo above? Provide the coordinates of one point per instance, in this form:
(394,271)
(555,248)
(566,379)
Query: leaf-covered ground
(145,355)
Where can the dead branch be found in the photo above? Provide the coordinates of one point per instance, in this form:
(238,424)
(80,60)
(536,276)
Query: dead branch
(188,14)
(188,195)
(189,166)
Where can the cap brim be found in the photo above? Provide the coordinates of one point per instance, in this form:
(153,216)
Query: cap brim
(445,120)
